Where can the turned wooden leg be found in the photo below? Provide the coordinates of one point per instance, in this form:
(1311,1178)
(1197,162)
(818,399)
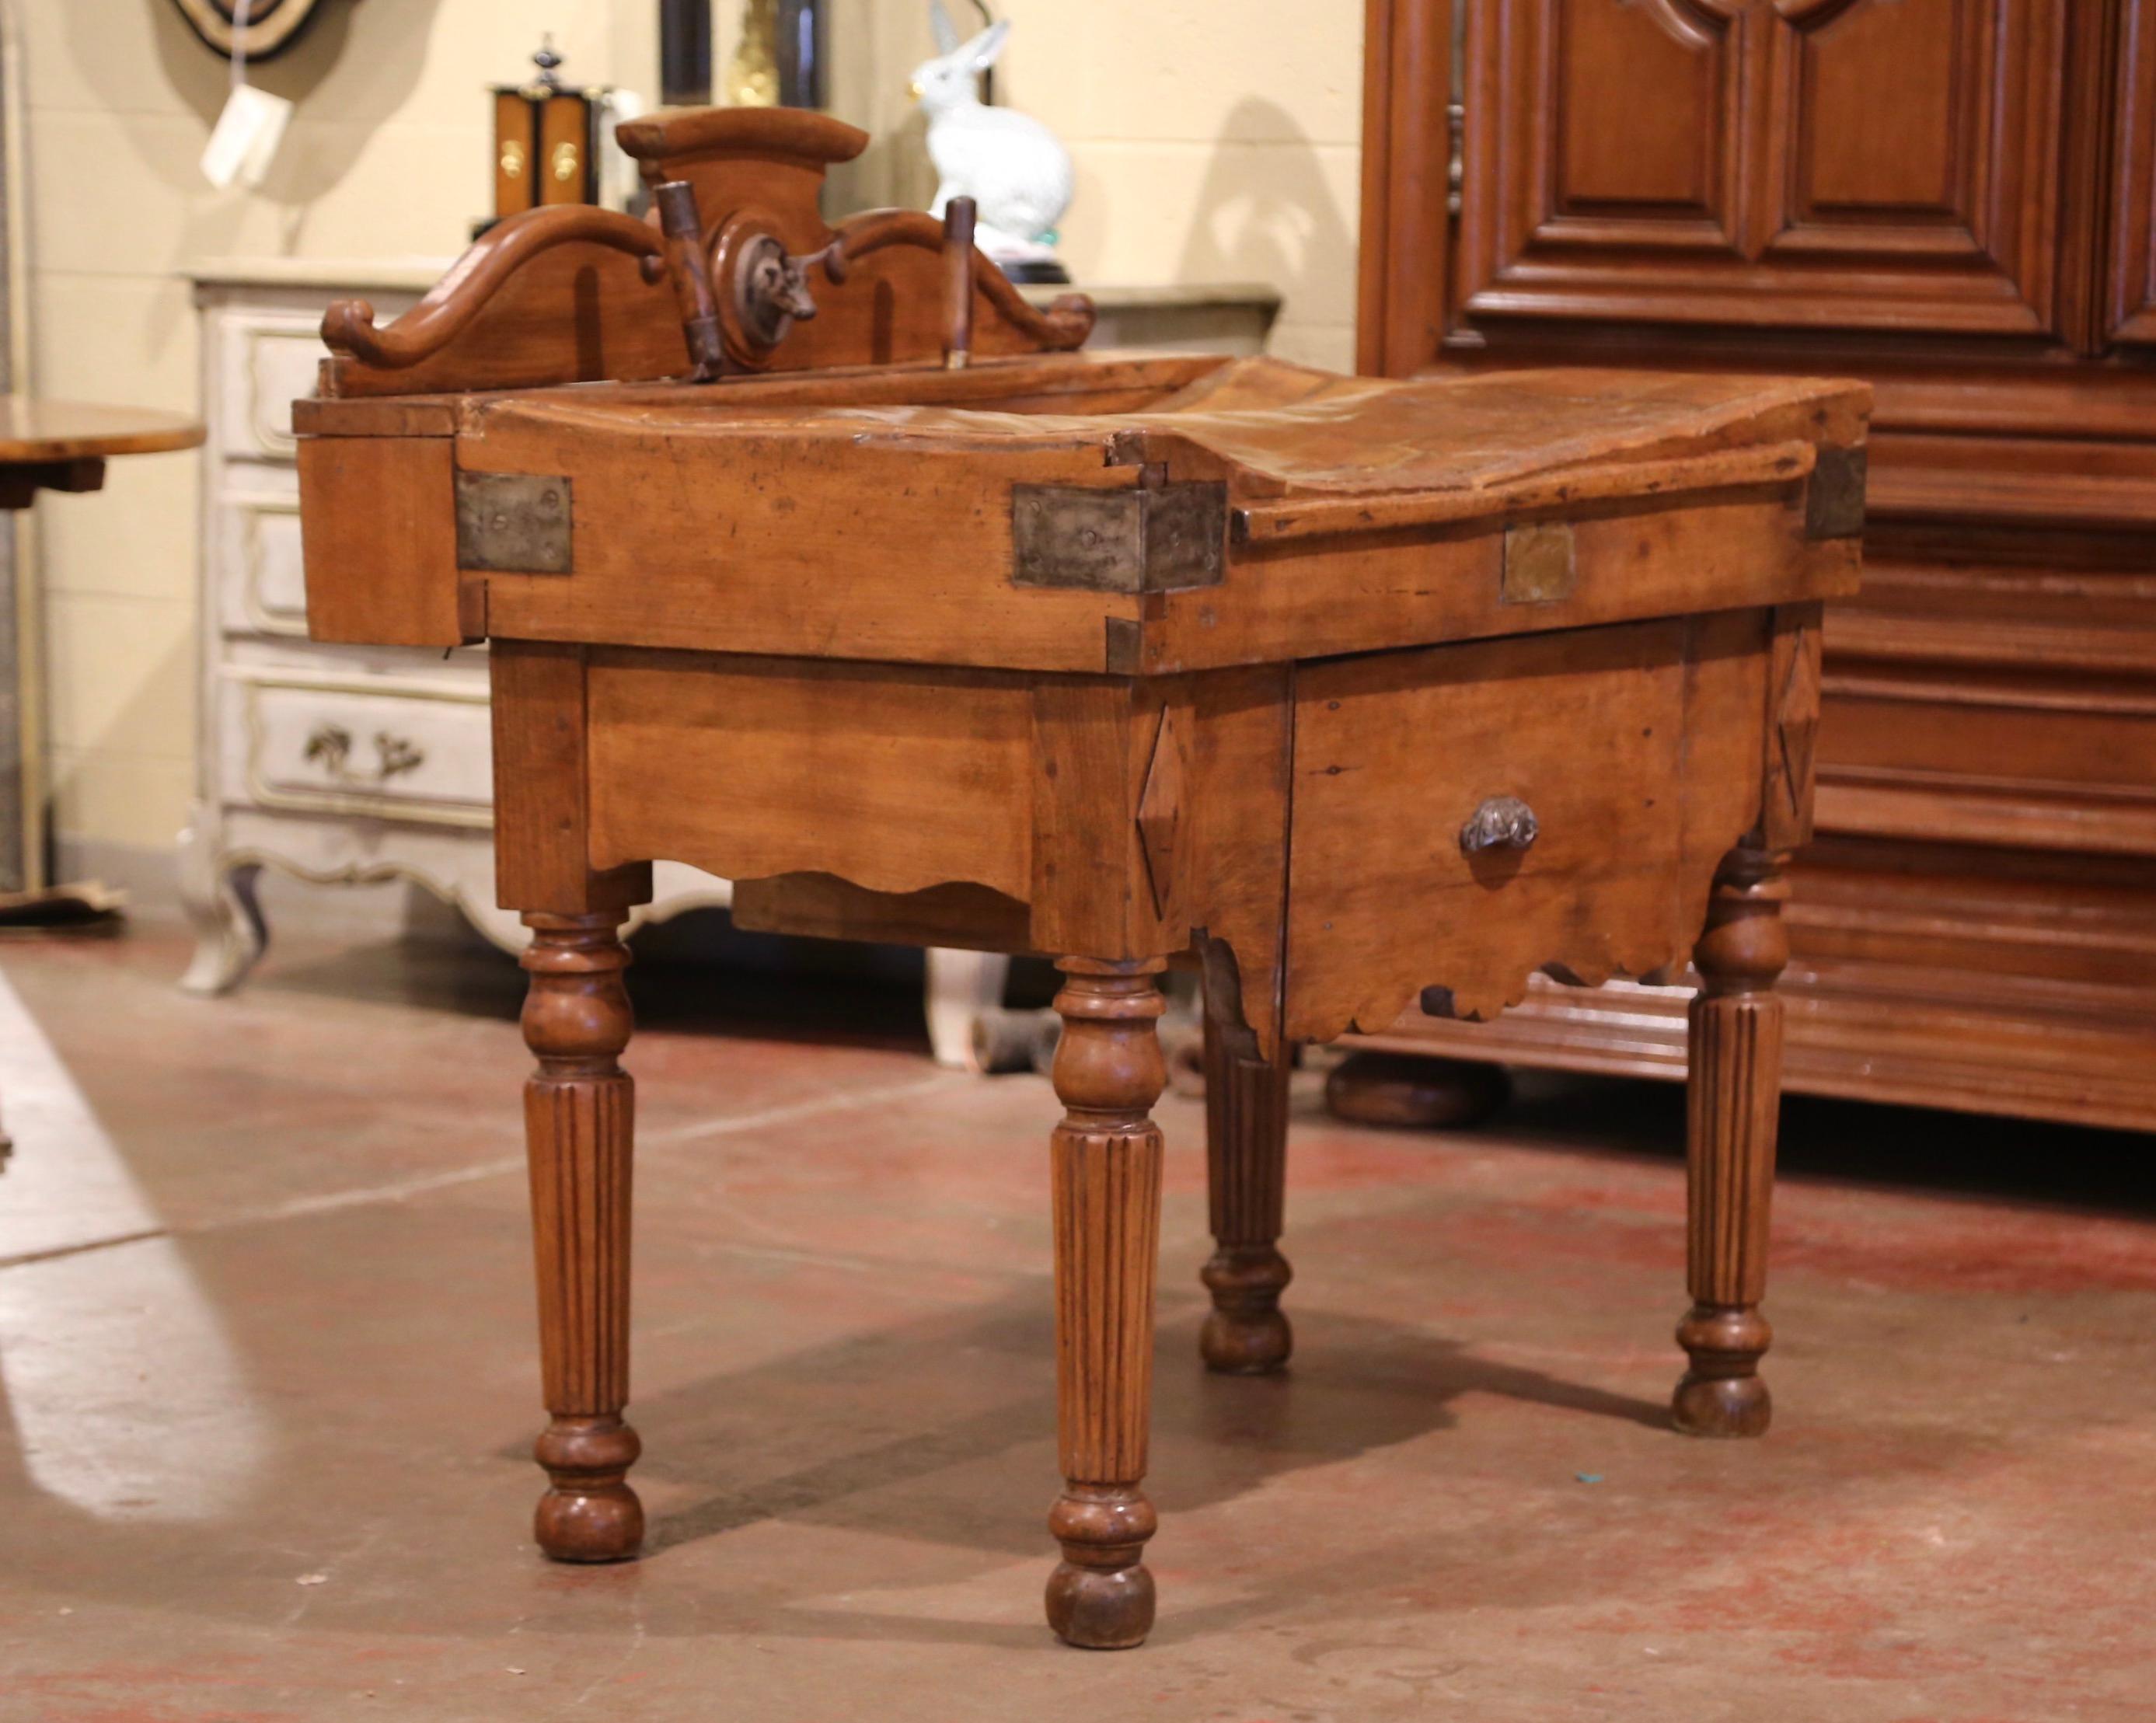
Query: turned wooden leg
(1106,1152)
(1733,1107)
(579,1109)
(1246,1167)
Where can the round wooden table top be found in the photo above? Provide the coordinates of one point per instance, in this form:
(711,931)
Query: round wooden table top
(36,432)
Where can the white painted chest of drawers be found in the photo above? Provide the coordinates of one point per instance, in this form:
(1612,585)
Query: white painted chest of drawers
(331,763)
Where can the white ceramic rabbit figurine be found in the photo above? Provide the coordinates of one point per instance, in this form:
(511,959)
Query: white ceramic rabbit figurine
(1013,167)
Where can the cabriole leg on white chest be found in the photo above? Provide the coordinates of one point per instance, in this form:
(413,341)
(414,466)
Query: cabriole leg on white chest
(218,894)
(962,987)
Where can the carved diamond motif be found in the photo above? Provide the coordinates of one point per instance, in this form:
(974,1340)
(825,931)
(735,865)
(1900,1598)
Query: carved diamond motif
(1160,811)
(1797,717)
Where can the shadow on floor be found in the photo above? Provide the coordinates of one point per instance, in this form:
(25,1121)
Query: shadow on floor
(922,1452)
(1979,1156)
(1365,1385)
(696,975)
(699,975)
(937,1432)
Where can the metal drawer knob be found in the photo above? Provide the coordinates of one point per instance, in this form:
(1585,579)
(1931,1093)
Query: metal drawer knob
(1501,823)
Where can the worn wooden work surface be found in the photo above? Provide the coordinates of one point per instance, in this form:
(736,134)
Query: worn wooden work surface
(874,516)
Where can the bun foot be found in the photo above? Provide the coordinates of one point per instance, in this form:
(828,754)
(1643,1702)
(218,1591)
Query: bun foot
(1415,1091)
(1101,1597)
(605,1525)
(1098,1610)
(1727,1406)
(1723,1394)
(1246,1334)
(590,1514)
(1245,1346)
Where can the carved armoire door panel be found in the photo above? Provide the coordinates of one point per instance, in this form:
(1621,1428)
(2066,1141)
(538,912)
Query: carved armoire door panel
(1675,182)
(2130,284)
(1851,164)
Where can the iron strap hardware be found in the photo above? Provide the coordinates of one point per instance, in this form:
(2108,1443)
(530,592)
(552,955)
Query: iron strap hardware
(1833,501)
(1145,539)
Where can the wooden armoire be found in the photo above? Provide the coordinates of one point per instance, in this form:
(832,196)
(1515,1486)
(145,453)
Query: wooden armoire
(1955,199)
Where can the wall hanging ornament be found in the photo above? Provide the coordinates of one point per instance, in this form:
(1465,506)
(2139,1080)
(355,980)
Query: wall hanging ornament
(270,27)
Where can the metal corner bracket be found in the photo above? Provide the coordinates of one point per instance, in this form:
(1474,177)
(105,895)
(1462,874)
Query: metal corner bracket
(1834,499)
(1142,539)
(515,523)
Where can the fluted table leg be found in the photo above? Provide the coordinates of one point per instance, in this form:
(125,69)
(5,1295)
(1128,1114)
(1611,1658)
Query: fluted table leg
(1246,1167)
(578,1120)
(1733,1109)
(1106,1165)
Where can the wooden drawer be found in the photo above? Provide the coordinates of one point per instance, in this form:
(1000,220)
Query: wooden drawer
(1637,749)
(272,361)
(1983,700)
(750,767)
(262,586)
(416,750)
(2047,760)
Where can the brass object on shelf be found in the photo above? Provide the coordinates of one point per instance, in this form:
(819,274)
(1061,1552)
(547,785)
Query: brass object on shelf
(779,57)
(752,72)
(547,137)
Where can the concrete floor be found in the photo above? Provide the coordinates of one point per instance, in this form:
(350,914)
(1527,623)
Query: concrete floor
(270,1388)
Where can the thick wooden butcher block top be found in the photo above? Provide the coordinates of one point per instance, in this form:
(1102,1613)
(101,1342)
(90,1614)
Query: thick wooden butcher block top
(1082,512)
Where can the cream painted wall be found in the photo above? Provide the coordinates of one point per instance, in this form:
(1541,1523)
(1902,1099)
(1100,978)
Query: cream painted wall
(386,156)
(1214,139)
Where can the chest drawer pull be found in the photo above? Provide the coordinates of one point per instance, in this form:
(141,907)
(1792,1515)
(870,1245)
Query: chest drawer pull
(1501,823)
(330,745)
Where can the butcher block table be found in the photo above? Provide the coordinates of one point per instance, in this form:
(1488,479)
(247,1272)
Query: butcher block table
(814,557)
